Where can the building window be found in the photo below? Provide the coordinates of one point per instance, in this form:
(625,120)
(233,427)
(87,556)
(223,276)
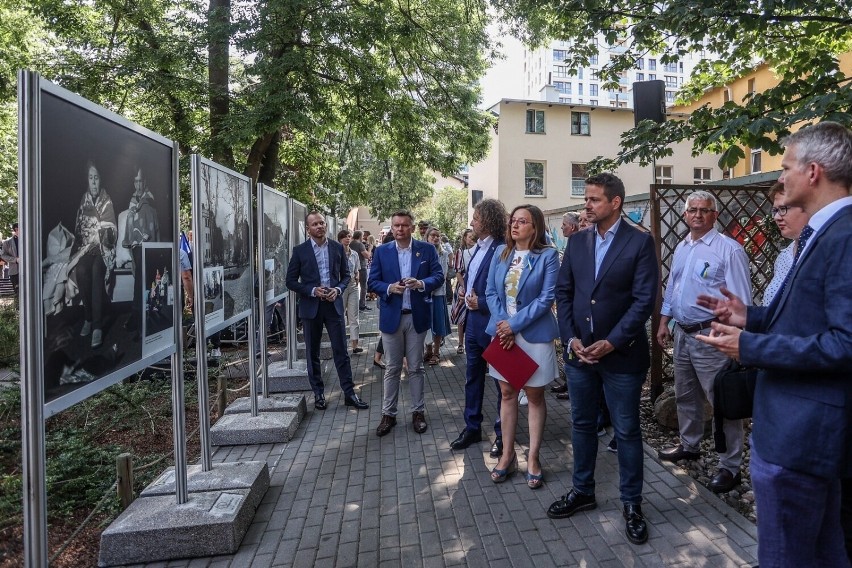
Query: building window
(580,73)
(652,76)
(670,67)
(560,70)
(535,121)
(671,81)
(560,55)
(670,96)
(652,65)
(701,175)
(565,100)
(663,174)
(755,161)
(562,87)
(593,75)
(593,102)
(533,179)
(580,123)
(593,59)
(593,90)
(580,88)
(640,76)
(578,180)
(751,88)
(475,197)
(727,95)
(640,63)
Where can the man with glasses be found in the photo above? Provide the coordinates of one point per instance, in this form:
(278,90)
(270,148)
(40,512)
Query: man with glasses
(703,262)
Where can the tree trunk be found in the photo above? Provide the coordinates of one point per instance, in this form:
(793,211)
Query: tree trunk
(218,29)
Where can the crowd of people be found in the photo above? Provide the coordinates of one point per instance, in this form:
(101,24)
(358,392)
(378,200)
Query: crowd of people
(512,292)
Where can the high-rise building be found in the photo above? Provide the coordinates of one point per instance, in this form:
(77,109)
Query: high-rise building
(547,77)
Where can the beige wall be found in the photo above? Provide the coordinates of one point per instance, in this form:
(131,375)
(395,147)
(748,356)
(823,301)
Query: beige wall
(501,174)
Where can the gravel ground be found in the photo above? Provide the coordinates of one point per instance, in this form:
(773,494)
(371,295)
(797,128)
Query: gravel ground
(703,469)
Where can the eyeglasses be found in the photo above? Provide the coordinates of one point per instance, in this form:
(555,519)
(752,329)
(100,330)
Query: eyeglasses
(780,211)
(702,210)
(519,222)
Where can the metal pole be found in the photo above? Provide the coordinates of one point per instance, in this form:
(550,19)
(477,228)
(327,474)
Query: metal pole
(261,291)
(32,360)
(291,298)
(198,310)
(178,395)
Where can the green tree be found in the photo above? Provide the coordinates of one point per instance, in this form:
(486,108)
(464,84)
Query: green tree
(446,210)
(801,40)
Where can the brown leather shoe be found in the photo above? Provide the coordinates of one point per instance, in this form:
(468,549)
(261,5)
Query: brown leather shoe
(724,481)
(419,422)
(385,425)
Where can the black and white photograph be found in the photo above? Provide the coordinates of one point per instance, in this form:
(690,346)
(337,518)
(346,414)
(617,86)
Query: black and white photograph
(276,232)
(214,299)
(159,294)
(107,190)
(225,243)
(300,211)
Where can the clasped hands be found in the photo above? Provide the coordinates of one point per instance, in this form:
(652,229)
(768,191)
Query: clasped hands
(403,285)
(505,335)
(592,354)
(327,294)
(731,313)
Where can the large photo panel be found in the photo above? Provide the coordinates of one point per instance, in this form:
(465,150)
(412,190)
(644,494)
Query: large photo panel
(108,191)
(276,233)
(300,211)
(223,242)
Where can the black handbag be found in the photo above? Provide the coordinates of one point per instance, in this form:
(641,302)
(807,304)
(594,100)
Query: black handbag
(733,397)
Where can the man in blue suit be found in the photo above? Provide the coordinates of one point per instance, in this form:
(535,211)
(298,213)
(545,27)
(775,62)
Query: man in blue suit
(403,274)
(319,272)
(489,224)
(605,293)
(802,344)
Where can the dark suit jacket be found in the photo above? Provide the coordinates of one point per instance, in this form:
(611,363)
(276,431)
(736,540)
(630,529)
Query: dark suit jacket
(620,299)
(303,276)
(802,342)
(477,320)
(384,271)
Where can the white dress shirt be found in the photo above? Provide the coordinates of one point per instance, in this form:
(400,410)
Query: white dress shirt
(477,261)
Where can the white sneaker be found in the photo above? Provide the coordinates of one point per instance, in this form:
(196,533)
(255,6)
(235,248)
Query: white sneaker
(215,353)
(522,398)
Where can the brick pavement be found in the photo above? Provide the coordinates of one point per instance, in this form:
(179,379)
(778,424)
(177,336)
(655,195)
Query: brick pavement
(341,496)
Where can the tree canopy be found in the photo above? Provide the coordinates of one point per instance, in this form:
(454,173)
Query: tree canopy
(337,102)
(800,40)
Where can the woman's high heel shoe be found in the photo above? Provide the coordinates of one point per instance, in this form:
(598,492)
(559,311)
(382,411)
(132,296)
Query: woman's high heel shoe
(501,475)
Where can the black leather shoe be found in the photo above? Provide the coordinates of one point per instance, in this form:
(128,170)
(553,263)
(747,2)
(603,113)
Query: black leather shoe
(356,402)
(496,448)
(570,504)
(724,481)
(559,388)
(637,528)
(466,438)
(563,396)
(319,402)
(677,453)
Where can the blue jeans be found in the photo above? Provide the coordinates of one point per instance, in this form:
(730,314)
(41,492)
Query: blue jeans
(799,519)
(622,391)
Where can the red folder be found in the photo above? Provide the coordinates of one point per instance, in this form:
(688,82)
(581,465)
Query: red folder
(514,364)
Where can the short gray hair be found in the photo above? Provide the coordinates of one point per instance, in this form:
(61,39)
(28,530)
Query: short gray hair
(572,218)
(701,195)
(829,144)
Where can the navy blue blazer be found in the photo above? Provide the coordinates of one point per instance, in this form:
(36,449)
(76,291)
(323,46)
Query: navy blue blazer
(620,299)
(534,302)
(303,276)
(384,271)
(802,342)
(477,320)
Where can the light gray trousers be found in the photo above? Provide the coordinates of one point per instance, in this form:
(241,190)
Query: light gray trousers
(405,342)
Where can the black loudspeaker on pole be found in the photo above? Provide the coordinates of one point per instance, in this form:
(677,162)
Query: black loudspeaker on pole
(649,101)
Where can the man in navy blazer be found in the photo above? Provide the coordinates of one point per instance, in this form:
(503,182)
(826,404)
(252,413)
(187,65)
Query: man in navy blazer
(802,345)
(489,224)
(605,293)
(319,272)
(403,274)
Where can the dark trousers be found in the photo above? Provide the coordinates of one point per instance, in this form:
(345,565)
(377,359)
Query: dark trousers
(327,316)
(476,341)
(91,271)
(362,280)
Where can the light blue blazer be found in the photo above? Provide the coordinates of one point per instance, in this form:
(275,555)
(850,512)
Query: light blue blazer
(534,317)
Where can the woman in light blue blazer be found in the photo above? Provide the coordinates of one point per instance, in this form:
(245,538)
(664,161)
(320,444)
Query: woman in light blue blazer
(520,296)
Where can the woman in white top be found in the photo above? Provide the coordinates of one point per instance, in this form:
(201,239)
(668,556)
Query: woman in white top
(440,316)
(790,221)
(461,261)
(520,295)
(353,290)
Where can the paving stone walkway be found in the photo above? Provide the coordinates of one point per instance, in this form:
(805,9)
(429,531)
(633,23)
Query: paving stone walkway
(341,496)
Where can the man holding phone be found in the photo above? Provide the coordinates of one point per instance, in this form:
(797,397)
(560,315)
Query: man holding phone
(403,274)
(319,272)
